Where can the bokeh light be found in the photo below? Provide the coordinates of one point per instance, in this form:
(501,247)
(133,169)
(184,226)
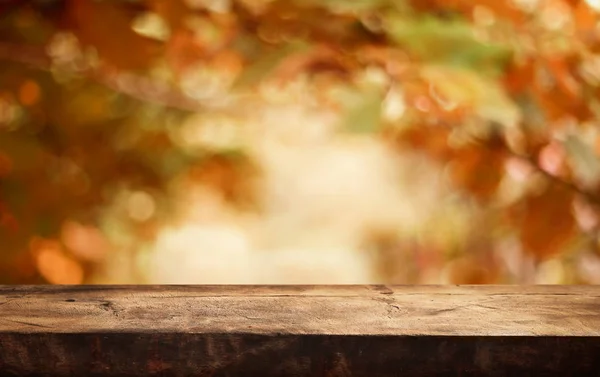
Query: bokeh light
(300,142)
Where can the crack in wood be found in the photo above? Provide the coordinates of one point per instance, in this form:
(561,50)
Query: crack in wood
(391,306)
(467,305)
(110,307)
(26,323)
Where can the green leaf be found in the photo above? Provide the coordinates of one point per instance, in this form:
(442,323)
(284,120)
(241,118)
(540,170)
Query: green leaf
(264,66)
(468,87)
(585,163)
(171,163)
(365,115)
(352,6)
(446,41)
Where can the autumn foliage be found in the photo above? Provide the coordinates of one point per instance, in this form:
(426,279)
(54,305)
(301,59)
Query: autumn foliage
(501,96)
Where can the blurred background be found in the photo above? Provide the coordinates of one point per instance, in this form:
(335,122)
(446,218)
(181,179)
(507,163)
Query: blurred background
(299,141)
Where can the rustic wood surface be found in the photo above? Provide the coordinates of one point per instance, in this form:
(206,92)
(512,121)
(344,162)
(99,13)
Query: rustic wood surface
(299,330)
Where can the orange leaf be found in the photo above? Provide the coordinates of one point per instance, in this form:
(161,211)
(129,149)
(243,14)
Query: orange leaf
(586,20)
(29,93)
(106,26)
(566,82)
(518,77)
(479,169)
(472,270)
(183,51)
(433,141)
(187,47)
(548,222)
(563,96)
(54,264)
(172,11)
(227,175)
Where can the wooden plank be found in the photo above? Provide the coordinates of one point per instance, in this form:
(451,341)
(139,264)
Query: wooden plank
(299,330)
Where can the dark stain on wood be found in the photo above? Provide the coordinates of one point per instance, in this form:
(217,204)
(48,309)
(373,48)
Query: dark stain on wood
(295,355)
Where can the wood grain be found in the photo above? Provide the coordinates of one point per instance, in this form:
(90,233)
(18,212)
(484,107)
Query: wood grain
(299,330)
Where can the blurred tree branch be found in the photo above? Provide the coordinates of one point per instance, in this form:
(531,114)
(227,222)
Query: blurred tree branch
(132,85)
(589,196)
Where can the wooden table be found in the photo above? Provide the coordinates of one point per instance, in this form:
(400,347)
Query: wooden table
(299,330)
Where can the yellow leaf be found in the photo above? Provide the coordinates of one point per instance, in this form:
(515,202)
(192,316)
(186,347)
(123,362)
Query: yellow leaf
(467,88)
